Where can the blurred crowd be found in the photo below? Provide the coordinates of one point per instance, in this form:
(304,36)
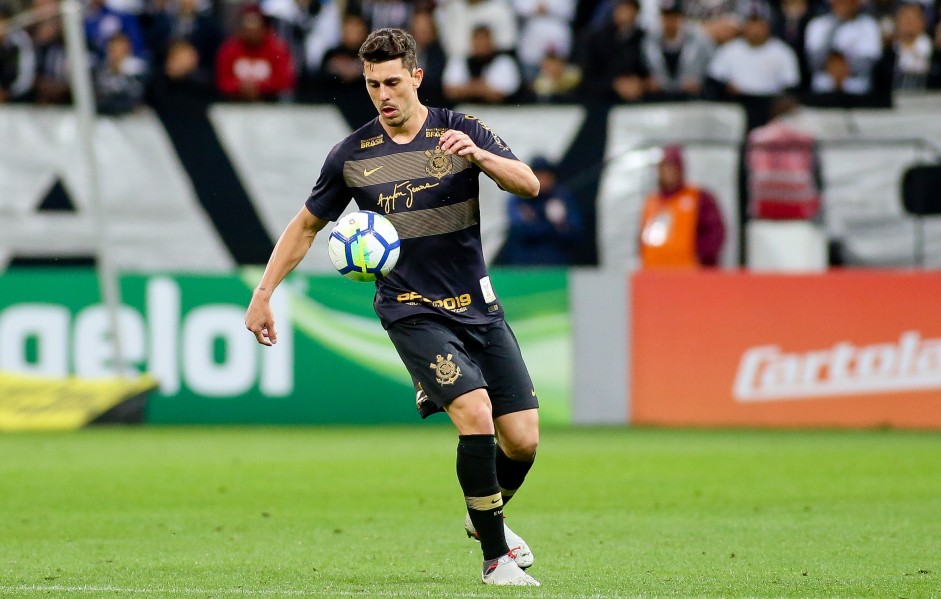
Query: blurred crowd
(827,52)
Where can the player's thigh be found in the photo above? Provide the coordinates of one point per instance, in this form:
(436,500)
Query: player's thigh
(436,358)
(508,381)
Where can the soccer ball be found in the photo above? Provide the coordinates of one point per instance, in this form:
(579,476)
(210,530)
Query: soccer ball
(363,245)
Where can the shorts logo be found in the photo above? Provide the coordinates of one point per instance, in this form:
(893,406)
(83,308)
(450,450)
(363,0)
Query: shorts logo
(439,163)
(446,371)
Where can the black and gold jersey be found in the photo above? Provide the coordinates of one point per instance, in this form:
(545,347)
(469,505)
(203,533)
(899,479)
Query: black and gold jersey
(432,199)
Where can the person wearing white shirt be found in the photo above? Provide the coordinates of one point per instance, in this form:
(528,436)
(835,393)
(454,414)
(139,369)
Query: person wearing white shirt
(457,19)
(849,33)
(913,49)
(546,28)
(756,64)
(487,75)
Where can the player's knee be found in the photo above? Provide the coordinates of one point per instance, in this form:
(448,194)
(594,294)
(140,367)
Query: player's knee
(521,449)
(472,414)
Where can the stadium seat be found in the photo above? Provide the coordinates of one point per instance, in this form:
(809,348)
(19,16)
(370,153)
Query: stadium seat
(921,197)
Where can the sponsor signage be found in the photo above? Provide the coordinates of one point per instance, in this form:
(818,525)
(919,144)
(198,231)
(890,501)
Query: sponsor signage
(855,348)
(333,362)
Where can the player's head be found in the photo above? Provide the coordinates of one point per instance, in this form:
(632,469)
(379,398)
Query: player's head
(385,45)
(670,169)
(392,74)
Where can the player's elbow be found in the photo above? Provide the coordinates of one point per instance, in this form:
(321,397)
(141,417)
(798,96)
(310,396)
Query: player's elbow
(530,186)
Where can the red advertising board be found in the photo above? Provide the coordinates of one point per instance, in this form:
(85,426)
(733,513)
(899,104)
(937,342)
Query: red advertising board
(846,348)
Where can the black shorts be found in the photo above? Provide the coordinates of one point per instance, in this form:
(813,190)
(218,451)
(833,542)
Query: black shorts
(448,359)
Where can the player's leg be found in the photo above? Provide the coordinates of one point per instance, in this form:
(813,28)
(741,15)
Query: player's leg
(517,440)
(476,471)
(515,404)
(516,420)
(476,468)
(446,376)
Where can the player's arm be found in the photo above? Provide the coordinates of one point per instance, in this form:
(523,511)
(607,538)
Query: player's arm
(291,248)
(511,175)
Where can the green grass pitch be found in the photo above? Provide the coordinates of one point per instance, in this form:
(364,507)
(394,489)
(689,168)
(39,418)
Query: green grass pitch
(377,513)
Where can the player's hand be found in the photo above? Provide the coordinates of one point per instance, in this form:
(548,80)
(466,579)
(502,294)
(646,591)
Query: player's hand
(460,143)
(260,320)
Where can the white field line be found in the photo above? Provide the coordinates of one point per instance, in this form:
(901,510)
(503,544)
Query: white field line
(22,590)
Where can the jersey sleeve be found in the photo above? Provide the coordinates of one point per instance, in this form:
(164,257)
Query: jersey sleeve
(330,195)
(483,135)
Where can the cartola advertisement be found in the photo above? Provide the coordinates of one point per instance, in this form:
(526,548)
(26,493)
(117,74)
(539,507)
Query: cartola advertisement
(853,348)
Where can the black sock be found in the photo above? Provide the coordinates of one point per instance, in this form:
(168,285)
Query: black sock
(510,474)
(476,471)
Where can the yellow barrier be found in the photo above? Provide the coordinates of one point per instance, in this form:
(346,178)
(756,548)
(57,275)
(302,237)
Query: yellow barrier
(32,403)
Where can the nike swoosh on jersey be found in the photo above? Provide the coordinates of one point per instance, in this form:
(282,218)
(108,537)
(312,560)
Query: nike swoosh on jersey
(366,173)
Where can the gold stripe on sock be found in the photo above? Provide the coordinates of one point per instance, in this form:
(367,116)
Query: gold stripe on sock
(484,503)
(508,492)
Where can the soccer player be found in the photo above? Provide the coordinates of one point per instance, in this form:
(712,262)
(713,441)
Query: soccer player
(419,166)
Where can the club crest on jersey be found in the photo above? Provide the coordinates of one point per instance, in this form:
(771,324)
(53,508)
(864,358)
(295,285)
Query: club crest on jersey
(446,371)
(439,163)
(371,142)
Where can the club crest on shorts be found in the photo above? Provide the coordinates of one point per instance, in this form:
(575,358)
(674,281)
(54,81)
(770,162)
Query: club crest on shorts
(446,371)
(439,163)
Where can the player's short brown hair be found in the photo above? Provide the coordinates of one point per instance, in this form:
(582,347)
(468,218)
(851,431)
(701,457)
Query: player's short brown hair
(388,44)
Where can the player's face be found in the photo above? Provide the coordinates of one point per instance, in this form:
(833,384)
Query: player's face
(393,90)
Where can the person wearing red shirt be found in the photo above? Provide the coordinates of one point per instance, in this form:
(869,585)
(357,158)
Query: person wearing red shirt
(254,64)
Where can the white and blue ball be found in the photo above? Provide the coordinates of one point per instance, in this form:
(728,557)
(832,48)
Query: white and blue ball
(363,245)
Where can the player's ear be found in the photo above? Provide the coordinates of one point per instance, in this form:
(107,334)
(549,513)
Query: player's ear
(417,75)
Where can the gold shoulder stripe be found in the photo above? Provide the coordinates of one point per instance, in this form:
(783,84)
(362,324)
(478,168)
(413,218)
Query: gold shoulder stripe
(401,166)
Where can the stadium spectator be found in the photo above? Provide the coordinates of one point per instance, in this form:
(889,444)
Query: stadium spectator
(755,68)
(934,75)
(487,75)
(791,27)
(613,67)
(189,28)
(842,48)
(120,81)
(913,49)
(431,57)
(103,22)
(380,14)
(325,33)
(677,55)
(459,18)
(341,69)
(681,225)
(254,64)
(557,80)
(17,61)
(719,19)
(545,230)
(182,69)
(293,21)
(546,28)
(783,168)
(52,84)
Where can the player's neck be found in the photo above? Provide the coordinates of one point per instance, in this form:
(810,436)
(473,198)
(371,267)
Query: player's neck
(407,131)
